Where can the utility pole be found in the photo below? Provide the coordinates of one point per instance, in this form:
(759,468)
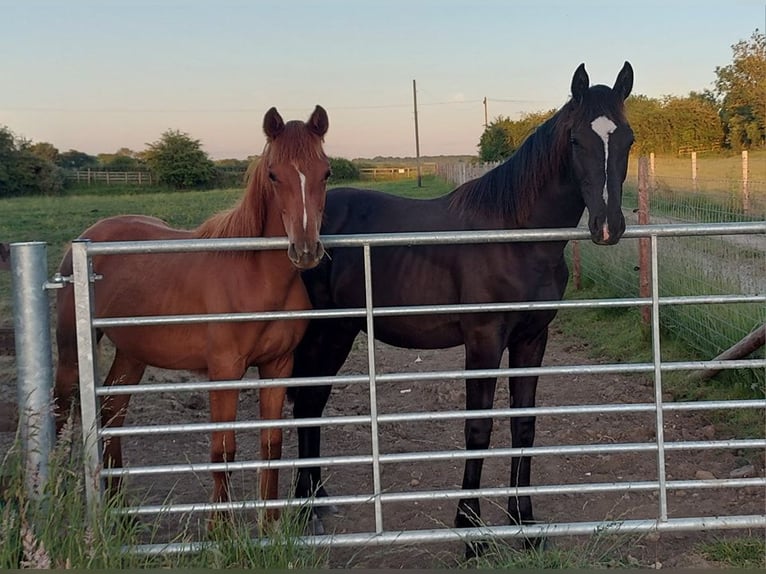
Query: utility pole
(485,113)
(417,137)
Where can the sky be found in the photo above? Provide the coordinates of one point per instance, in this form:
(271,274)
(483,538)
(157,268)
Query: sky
(99,75)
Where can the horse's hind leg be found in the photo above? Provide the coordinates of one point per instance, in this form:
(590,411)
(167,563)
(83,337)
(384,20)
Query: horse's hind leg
(114,408)
(67,373)
(522,391)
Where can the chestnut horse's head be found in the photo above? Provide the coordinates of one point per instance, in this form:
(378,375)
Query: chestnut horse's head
(297,169)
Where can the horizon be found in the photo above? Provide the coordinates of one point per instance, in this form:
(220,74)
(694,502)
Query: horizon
(98,77)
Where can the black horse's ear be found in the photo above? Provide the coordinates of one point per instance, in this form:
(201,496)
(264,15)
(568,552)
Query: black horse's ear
(623,85)
(319,122)
(273,124)
(580,83)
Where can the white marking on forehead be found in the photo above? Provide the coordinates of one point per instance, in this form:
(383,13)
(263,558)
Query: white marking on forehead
(303,196)
(603,126)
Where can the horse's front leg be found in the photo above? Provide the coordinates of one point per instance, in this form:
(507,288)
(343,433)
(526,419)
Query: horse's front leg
(522,392)
(480,394)
(272,399)
(223,448)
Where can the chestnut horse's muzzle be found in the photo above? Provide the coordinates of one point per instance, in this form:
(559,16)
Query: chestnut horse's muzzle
(306,257)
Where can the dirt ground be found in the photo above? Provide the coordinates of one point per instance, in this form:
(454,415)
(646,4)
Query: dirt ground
(665,550)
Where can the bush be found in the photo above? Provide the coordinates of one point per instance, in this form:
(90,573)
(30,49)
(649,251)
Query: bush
(24,173)
(343,170)
(179,161)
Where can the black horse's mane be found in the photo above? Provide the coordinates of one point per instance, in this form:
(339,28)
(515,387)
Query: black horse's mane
(509,190)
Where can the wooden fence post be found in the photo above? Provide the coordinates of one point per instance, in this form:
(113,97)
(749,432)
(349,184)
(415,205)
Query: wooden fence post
(651,171)
(745,190)
(643,242)
(694,170)
(576,273)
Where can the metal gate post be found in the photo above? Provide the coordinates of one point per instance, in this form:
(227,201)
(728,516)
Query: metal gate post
(34,366)
(657,359)
(376,481)
(82,277)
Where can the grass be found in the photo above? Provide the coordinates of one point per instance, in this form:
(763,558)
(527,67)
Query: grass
(57,531)
(30,532)
(737,553)
(619,339)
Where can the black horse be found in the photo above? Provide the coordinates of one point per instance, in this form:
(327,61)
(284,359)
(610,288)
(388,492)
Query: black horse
(576,159)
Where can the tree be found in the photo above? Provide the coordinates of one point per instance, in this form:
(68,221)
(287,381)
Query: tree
(503,136)
(179,161)
(496,143)
(343,170)
(74,159)
(22,172)
(741,89)
(45,150)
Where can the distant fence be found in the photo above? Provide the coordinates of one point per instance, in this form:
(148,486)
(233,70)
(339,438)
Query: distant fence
(111,177)
(148,178)
(459,173)
(397,172)
(711,265)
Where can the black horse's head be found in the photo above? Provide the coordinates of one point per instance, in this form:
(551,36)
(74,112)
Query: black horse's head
(600,140)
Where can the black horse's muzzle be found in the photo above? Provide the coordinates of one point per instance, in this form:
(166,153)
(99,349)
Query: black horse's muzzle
(607,230)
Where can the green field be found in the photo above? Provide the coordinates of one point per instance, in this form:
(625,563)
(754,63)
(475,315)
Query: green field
(30,530)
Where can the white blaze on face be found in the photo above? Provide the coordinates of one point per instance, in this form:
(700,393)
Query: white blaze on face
(303,196)
(603,126)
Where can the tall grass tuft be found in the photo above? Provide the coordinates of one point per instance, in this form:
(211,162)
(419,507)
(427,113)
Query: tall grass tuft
(59,531)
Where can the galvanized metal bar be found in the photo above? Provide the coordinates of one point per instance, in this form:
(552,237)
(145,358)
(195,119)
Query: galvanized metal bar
(376,480)
(418,238)
(657,359)
(427,416)
(34,366)
(407,310)
(657,367)
(82,278)
(431,375)
(448,455)
(447,494)
(466,534)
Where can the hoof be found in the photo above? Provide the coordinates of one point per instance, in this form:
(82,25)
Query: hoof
(475,549)
(315,526)
(326,510)
(538,544)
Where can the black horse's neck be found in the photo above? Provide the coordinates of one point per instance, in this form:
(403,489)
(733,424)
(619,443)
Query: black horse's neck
(514,193)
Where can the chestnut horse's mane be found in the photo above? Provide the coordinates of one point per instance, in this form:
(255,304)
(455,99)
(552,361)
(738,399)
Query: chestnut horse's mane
(295,144)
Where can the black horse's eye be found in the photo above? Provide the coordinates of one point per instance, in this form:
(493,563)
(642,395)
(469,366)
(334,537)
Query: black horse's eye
(573,140)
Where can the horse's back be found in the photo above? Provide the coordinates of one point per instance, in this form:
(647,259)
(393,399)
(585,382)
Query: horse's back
(132,228)
(351,210)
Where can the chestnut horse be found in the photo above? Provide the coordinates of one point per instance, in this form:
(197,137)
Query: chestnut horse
(285,196)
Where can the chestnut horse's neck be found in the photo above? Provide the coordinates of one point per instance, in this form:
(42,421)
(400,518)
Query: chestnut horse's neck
(246,219)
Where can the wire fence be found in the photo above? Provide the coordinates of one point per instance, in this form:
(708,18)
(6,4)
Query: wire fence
(704,265)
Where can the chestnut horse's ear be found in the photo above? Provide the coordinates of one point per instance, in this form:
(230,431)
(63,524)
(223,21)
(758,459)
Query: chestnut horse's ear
(623,85)
(318,122)
(580,83)
(273,124)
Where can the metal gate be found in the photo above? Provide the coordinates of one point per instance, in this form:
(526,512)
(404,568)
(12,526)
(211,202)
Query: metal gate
(378,498)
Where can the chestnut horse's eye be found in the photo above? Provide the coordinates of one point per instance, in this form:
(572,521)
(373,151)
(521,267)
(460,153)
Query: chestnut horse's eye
(272,177)
(327,175)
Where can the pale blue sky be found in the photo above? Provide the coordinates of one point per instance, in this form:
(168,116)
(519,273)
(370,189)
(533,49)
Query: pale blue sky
(99,75)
